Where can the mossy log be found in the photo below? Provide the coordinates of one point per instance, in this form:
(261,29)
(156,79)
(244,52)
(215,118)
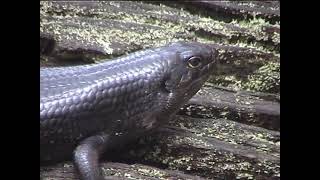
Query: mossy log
(228,10)
(209,148)
(237,106)
(144,22)
(115,171)
(224,131)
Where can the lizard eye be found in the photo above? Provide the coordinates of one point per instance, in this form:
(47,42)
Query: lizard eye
(194,62)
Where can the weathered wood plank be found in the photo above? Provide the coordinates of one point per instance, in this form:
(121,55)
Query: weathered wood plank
(171,19)
(228,10)
(210,148)
(114,171)
(237,106)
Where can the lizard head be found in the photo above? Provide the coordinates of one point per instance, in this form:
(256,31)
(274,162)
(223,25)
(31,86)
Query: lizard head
(188,71)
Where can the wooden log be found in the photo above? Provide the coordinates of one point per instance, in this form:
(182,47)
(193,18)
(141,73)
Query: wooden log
(171,19)
(237,106)
(115,171)
(209,148)
(229,10)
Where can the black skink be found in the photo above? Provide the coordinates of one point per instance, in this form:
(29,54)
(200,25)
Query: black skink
(86,110)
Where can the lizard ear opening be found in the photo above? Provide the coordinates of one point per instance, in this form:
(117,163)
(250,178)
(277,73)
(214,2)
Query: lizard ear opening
(164,88)
(173,76)
(172,82)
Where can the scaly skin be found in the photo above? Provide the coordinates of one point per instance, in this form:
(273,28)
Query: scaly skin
(92,108)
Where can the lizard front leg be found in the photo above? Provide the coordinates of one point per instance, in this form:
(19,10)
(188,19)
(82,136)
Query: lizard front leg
(87,154)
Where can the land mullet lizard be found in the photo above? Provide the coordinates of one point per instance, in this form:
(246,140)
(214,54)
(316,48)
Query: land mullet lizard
(88,109)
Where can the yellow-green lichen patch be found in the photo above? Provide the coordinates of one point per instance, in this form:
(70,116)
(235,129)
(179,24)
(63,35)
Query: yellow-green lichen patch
(102,38)
(86,36)
(129,176)
(212,26)
(265,79)
(253,74)
(276,38)
(151,172)
(111,172)
(255,24)
(208,157)
(244,176)
(236,33)
(230,81)
(172,20)
(131,171)
(227,131)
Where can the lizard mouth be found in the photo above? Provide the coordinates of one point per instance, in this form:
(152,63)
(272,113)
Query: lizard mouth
(208,68)
(205,70)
